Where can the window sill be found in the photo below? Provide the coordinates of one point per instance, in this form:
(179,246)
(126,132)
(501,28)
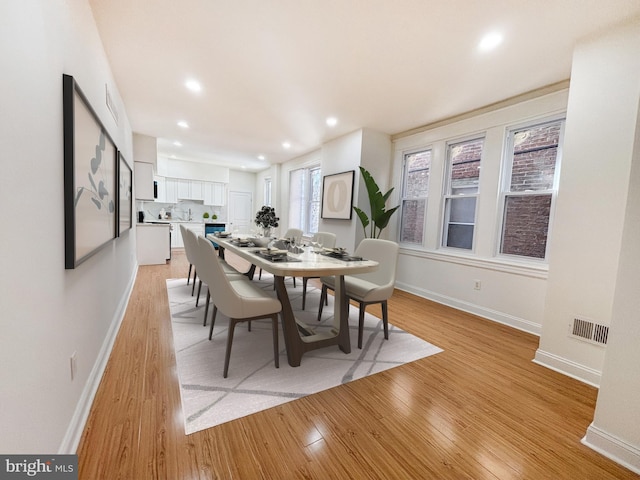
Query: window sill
(525,268)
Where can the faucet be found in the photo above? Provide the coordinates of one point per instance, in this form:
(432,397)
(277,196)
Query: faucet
(190,217)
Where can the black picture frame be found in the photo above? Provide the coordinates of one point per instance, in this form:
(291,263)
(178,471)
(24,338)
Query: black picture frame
(125,196)
(337,195)
(89,178)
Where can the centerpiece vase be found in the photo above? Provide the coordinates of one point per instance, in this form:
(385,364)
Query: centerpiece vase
(266,232)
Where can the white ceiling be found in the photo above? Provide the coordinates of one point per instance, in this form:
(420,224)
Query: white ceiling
(274,70)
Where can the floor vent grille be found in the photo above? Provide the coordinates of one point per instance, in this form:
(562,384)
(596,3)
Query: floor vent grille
(590,331)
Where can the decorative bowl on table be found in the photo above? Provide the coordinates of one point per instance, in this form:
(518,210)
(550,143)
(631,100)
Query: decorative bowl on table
(260,241)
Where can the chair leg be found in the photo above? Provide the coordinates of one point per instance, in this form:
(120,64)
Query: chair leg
(199,288)
(276,356)
(323,297)
(232,326)
(189,276)
(249,326)
(361,324)
(294,282)
(385,320)
(193,287)
(260,274)
(304,291)
(213,320)
(206,308)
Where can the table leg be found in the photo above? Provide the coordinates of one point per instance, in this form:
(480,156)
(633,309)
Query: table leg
(341,315)
(289,327)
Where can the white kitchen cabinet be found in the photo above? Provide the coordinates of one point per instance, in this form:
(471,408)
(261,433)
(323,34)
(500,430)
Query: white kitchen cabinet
(170,190)
(196,190)
(184,188)
(214,193)
(176,235)
(152,244)
(143,180)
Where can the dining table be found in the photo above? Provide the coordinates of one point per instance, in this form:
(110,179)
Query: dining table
(299,337)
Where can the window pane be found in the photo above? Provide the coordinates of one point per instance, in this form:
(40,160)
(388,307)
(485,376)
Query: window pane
(534,157)
(418,166)
(460,236)
(460,213)
(526,223)
(465,165)
(412,221)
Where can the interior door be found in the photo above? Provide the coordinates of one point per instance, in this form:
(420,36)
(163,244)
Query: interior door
(241,212)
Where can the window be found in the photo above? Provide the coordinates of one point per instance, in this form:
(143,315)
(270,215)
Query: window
(461,193)
(267,191)
(415,187)
(305,193)
(529,189)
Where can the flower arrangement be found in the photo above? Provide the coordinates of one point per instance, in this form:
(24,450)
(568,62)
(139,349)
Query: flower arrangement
(266,217)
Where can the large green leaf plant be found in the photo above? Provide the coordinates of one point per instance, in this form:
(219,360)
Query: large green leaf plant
(380,216)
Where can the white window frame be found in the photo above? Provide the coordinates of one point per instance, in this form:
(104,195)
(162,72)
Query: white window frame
(505,186)
(404,197)
(267,192)
(301,219)
(447,196)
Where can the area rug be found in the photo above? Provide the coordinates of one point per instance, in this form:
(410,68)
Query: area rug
(253,383)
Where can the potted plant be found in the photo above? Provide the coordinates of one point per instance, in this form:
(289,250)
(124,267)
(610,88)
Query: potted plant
(266,219)
(377,202)
(205,215)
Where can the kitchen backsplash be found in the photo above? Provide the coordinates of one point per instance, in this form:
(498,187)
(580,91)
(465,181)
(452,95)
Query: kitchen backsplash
(180,211)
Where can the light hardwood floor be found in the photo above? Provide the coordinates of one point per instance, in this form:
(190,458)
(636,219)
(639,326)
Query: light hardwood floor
(479,410)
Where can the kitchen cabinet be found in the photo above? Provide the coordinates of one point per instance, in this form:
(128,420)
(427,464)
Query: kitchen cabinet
(196,190)
(143,180)
(176,234)
(214,193)
(170,190)
(152,244)
(184,188)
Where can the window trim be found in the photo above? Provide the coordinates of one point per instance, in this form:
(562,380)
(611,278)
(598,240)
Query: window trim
(446,193)
(505,185)
(403,198)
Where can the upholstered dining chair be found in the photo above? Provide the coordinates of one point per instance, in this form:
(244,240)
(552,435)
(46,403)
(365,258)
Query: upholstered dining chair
(239,299)
(369,288)
(328,240)
(189,252)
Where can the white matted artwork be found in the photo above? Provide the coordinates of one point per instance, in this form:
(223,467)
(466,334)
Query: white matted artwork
(89,178)
(337,195)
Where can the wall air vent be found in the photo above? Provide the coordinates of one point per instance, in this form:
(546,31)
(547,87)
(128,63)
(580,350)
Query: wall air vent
(589,331)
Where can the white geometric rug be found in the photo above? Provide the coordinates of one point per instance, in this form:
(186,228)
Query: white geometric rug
(254,384)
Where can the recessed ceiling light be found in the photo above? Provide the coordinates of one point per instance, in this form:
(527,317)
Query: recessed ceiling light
(193,85)
(177,144)
(261,157)
(286,145)
(490,41)
(332,121)
(183,124)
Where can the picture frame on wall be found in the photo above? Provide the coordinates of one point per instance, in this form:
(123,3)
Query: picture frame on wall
(337,195)
(125,200)
(90,169)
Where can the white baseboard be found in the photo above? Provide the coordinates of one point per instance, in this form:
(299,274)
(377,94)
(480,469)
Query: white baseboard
(73,435)
(489,314)
(567,367)
(612,447)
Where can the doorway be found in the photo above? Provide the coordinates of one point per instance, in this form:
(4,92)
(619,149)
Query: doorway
(241,212)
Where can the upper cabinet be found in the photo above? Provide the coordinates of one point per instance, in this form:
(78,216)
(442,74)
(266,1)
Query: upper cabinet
(143,180)
(172,190)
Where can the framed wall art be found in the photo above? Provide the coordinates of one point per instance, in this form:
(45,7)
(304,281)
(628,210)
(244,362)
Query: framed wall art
(89,178)
(125,200)
(337,195)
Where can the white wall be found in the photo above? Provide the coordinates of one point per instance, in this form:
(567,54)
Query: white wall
(590,212)
(512,291)
(49,312)
(174,168)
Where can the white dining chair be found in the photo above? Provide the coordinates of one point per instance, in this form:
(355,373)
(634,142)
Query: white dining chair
(369,288)
(328,240)
(189,252)
(238,298)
